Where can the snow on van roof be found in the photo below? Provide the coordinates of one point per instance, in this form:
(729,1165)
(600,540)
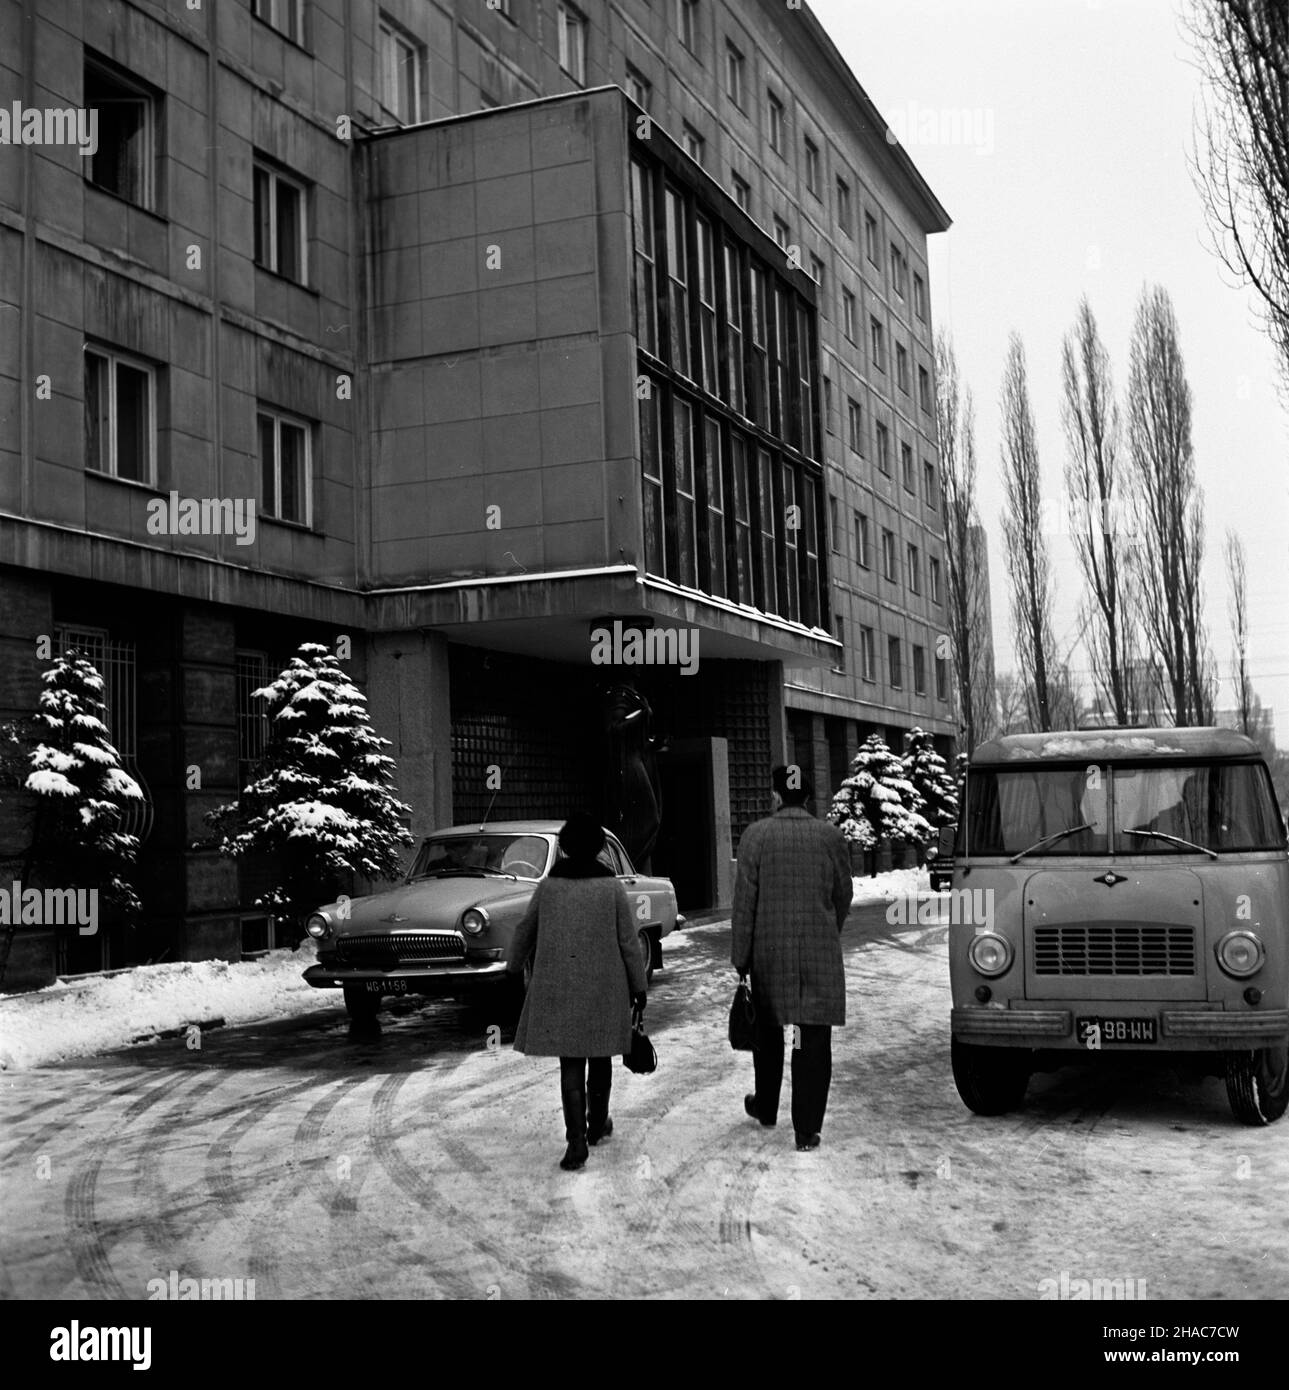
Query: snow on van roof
(1115,745)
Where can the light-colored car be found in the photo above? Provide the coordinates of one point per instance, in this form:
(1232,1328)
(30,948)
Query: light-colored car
(446,929)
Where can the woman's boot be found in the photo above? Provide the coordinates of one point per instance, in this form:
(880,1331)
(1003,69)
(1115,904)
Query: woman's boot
(573,1091)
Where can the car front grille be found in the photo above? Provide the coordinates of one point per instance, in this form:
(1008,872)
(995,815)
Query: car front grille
(385,950)
(1124,949)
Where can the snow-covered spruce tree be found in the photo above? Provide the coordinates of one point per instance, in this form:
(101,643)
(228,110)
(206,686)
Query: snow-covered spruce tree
(876,803)
(931,778)
(322,801)
(81,789)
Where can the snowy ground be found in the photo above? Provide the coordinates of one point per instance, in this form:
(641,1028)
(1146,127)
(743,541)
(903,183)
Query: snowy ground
(97,1013)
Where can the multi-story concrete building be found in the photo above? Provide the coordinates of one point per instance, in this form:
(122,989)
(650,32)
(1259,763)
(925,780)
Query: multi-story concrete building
(507,321)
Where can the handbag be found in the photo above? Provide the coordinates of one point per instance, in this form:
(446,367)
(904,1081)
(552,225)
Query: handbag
(643,1057)
(742,1019)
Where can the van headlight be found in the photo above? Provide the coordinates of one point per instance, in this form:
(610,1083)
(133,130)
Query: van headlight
(1240,953)
(989,953)
(317,925)
(474,919)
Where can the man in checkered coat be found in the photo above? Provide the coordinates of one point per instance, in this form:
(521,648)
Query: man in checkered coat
(791,898)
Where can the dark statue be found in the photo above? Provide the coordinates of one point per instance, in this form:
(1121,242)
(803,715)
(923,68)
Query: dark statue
(632,794)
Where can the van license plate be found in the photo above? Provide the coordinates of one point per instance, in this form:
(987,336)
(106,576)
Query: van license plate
(1119,1032)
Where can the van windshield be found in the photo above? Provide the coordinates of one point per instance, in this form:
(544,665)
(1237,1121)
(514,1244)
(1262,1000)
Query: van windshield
(1168,808)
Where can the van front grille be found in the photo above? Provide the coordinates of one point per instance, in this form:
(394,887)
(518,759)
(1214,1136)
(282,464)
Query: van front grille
(1123,949)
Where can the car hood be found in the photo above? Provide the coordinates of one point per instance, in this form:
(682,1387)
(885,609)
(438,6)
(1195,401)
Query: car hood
(432,902)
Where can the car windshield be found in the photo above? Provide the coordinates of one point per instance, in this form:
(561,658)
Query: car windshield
(1155,809)
(488,852)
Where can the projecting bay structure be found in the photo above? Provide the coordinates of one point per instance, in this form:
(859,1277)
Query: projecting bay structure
(516,320)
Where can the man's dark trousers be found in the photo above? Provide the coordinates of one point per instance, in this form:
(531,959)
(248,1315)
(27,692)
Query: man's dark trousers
(811,1072)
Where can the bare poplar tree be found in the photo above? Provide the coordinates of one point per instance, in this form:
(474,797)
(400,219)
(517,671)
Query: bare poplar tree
(1241,162)
(969,635)
(1090,419)
(1237,606)
(1168,501)
(1028,566)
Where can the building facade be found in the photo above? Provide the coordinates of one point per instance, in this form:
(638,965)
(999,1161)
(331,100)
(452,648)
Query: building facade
(506,324)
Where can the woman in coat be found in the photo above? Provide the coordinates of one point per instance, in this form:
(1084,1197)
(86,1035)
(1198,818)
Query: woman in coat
(587,975)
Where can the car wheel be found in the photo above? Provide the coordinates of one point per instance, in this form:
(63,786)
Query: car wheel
(1257,1084)
(646,953)
(990,1080)
(362,1004)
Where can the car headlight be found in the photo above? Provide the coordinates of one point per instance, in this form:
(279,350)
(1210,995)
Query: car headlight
(474,919)
(1240,953)
(990,953)
(317,925)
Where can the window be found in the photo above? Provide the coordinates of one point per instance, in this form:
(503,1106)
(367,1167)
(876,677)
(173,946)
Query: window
(286,16)
(120,416)
(775,119)
(888,555)
(915,569)
(706,269)
(854,425)
(760,348)
(768,516)
(898,268)
(402,63)
(867,655)
(735,75)
(736,395)
(870,236)
(687,24)
(883,436)
(848,314)
(285,467)
(919,296)
(902,367)
(742,191)
(639,88)
(924,388)
(933,570)
(714,489)
(816,270)
(651,480)
(840,624)
(928,482)
(941,678)
(828,405)
(806,388)
(834,523)
(695,145)
(862,558)
(571,26)
(686,500)
(252,715)
(786,420)
(877,336)
(678,283)
(896,660)
(906,467)
(919,670)
(812,166)
(280,239)
(843,206)
(646,322)
(125,157)
(782,232)
(790,570)
(742,519)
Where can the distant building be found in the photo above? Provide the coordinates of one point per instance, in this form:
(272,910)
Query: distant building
(510,320)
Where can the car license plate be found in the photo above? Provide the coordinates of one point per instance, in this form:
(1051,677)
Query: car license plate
(1118,1032)
(385,986)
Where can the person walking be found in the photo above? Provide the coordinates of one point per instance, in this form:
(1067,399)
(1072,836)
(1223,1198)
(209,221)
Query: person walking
(587,977)
(791,896)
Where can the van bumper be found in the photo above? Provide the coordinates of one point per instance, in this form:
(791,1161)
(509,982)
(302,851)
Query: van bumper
(1188,1030)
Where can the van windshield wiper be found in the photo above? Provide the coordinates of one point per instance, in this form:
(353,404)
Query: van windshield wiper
(1175,840)
(1050,839)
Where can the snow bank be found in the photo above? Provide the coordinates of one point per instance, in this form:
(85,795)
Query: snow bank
(102,1012)
(885,888)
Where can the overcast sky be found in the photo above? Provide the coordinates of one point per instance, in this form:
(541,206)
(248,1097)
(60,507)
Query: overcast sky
(1074,181)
